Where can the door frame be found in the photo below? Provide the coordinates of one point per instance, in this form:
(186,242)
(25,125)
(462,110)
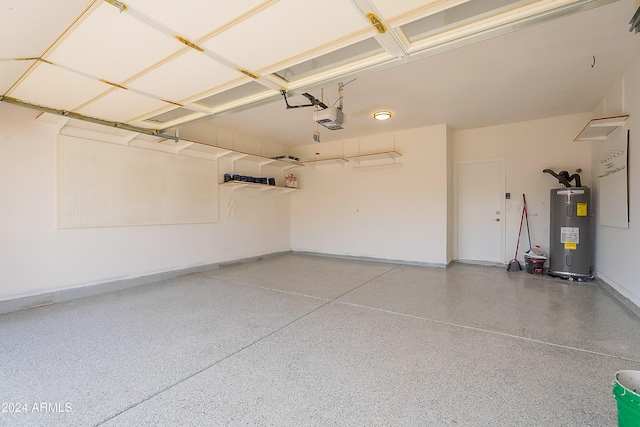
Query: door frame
(502,162)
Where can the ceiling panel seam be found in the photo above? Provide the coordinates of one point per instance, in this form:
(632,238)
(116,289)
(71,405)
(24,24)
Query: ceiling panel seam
(269,83)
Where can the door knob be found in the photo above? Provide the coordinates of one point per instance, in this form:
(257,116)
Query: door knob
(497,220)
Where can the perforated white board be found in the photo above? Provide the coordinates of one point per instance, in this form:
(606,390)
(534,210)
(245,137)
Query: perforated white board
(102,184)
(614,202)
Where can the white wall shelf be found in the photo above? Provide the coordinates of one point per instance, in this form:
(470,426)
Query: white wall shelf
(393,155)
(359,159)
(384,159)
(598,129)
(261,160)
(235,185)
(205,151)
(324,162)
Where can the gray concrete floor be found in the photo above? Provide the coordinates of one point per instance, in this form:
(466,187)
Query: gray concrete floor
(301,340)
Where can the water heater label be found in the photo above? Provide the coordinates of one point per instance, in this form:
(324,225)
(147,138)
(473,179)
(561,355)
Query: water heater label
(569,235)
(570,246)
(582,209)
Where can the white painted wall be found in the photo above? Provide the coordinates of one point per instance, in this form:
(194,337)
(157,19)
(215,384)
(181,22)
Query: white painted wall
(617,249)
(528,148)
(387,213)
(36,257)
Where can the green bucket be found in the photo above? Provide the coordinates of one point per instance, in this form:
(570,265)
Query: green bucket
(626,389)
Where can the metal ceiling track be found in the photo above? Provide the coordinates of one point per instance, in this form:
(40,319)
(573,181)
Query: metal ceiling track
(82,117)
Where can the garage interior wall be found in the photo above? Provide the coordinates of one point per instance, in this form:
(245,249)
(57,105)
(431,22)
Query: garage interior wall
(381,211)
(528,148)
(617,248)
(38,258)
(393,209)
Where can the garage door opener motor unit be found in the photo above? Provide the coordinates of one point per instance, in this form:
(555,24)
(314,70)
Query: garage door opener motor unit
(570,235)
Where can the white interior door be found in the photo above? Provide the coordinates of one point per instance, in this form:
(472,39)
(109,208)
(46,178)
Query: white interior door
(480,196)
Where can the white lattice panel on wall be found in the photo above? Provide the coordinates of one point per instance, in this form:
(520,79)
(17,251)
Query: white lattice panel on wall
(103,185)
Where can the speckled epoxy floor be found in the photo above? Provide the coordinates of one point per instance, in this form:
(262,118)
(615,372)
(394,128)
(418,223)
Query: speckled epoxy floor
(299,340)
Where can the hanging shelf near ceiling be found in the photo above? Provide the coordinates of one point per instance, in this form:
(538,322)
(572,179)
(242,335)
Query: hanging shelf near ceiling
(235,155)
(598,129)
(329,161)
(235,185)
(361,160)
(385,159)
(261,161)
(375,156)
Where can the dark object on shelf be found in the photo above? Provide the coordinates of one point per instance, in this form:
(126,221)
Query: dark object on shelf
(287,158)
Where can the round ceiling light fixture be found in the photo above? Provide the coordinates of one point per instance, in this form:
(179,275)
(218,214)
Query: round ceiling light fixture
(382,115)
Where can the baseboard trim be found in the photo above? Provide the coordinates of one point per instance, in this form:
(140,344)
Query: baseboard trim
(370,259)
(483,263)
(613,290)
(53,297)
